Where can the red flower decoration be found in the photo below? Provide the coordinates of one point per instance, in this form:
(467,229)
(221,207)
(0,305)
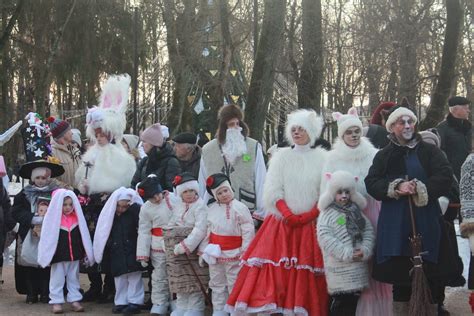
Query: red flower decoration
(50,119)
(210,181)
(141,192)
(177,180)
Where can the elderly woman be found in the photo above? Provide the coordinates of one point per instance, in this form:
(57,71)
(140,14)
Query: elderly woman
(283,267)
(353,153)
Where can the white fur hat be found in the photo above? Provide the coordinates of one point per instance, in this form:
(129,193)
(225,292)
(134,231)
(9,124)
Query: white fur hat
(307,119)
(341,180)
(395,115)
(345,121)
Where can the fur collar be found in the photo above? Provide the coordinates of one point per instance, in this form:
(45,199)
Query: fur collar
(364,151)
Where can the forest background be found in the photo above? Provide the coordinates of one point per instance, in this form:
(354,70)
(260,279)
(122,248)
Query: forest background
(189,57)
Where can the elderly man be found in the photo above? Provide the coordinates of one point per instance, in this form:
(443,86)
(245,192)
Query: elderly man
(239,157)
(63,149)
(188,153)
(408,168)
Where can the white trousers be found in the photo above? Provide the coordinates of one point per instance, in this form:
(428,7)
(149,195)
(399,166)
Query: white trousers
(60,272)
(222,280)
(160,290)
(129,289)
(190,301)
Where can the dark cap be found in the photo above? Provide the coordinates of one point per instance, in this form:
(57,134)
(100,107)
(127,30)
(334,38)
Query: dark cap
(214,181)
(149,187)
(458,101)
(185,138)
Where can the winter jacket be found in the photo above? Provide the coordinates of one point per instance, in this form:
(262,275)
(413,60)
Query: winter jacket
(343,274)
(70,158)
(162,162)
(6,220)
(377,136)
(122,242)
(191,215)
(456,141)
(69,246)
(152,216)
(192,165)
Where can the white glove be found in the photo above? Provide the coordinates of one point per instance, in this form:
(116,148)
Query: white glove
(179,249)
(471,243)
(201,262)
(144,263)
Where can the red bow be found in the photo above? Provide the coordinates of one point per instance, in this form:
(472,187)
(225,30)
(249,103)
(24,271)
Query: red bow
(177,180)
(210,181)
(141,192)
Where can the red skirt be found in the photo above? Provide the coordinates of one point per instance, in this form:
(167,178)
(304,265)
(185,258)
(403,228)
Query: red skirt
(282,272)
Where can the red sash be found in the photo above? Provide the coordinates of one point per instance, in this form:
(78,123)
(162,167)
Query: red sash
(226,242)
(158,232)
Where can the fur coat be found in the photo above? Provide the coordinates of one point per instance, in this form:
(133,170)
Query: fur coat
(294,174)
(357,161)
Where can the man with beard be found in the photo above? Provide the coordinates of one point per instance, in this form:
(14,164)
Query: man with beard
(408,168)
(239,157)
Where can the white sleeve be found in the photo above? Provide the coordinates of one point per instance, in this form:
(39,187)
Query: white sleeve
(199,231)
(260,173)
(202,182)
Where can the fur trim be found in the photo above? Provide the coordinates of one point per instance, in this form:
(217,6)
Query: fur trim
(188,185)
(421,197)
(307,119)
(341,180)
(467,229)
(392,187)
(344,121)
(395,115)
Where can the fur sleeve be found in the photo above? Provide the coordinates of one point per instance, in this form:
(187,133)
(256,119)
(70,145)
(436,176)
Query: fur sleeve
(329,243)
(273,187)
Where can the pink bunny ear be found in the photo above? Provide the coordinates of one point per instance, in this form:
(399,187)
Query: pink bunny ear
(356,178)
(328,175)
(107,101)
(353,111)
(336,115)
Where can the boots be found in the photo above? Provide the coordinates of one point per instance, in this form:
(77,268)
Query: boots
(400,308)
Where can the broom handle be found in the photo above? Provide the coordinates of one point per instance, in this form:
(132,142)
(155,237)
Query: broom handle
(201,286)
(412,214)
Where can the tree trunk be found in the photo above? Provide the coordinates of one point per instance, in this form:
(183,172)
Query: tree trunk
(310,84)
(9,27)
(261,84)
(454,22)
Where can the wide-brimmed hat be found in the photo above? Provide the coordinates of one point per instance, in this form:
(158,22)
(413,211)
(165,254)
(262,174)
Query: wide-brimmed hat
(27,168)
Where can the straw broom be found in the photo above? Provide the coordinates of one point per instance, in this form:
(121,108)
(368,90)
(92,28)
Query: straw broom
(420,300)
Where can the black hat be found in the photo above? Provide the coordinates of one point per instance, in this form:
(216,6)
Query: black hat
(185,181)
(458,101)
(185,138)
(214,181)
(27,168)
(149,187)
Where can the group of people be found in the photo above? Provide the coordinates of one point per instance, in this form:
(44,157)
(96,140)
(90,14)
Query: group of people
(321,232)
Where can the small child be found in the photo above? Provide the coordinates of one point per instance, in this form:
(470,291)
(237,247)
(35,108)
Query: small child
(347,239)
(41,209)
(65,238)
(154,215)
(189,211)
(230,230)
(116,233)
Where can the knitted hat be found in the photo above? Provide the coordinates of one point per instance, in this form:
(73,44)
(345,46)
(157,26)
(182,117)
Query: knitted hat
(153,135)
(337,181)
(185,181)
(149,187)
(398,112)
(345,121)
(58,127)
(131,140)
(185,138)
(215,182)
(165,131)
(381,108)
(76,136)
(431,138)
(458,101)
(309,120)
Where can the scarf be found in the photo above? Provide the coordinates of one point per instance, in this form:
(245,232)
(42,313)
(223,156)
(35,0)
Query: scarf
(32,192)
(355,223)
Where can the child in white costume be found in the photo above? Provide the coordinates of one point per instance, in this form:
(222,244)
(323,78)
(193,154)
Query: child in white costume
(189,211)
(64,239)
(230,230)
(347,240)
(154,215)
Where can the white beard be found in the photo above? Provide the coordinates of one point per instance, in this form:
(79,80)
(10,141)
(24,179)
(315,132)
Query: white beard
(235,145)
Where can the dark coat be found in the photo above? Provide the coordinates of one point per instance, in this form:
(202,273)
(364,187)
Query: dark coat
(122,242)
(378,136)
(7,222)
(63,252)
(192,165)
(162,162)
(456,141)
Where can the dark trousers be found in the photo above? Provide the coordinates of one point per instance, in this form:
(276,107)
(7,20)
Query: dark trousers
(402,293)
(344,304)
(96,282)
(37,281)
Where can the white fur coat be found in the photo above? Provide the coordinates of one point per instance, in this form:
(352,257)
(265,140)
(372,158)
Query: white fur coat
(112,168)
(295,176)
(357,161)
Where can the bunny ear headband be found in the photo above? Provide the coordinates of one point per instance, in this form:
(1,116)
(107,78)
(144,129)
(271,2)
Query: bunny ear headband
(344,121)
(110,114)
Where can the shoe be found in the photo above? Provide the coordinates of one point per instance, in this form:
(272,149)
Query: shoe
(118,309)
(31,299)
(147,305)
(91,294)
(44,299)
(442,311)
(58,309)
(105,298)
(159,309)
(77,307)
(131,309)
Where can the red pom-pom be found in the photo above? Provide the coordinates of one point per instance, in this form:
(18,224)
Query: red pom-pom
(141,192)
(177,180)
(50,119)
(209,181)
